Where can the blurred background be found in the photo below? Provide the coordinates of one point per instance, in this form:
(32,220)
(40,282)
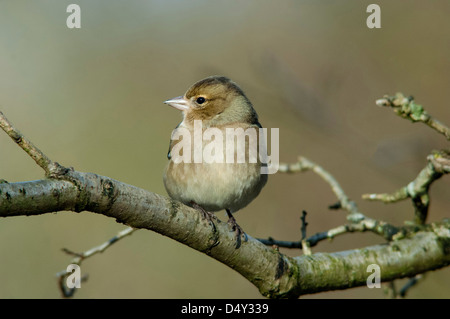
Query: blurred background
(92,98)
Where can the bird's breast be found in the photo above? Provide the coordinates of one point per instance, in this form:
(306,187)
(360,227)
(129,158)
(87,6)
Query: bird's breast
(221,178)
(214,186)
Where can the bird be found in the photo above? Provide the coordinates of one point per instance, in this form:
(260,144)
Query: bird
(220,104)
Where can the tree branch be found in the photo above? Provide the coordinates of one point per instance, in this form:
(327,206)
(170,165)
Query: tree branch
(275,275)
(355,216)
(438,164)
(304,164)
(80,257)
(407,108)
(43,161)
(374,226)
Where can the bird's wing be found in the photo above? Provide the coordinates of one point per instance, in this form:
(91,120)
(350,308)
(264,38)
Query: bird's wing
(169,156)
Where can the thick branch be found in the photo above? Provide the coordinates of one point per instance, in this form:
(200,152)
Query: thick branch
(276,275)
(402,258)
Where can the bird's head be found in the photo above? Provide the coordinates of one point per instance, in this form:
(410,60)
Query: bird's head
(216,100)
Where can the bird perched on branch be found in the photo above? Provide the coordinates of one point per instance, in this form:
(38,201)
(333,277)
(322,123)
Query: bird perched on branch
(207,171)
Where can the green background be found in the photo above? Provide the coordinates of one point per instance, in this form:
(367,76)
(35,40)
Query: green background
(92,99)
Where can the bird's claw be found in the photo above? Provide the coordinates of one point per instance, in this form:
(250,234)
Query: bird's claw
(205,214)
(238,231)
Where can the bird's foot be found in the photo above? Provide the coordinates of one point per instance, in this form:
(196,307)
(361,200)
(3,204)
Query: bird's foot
(205,214)
(237,229)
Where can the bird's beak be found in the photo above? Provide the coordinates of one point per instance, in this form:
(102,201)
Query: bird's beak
(179,103)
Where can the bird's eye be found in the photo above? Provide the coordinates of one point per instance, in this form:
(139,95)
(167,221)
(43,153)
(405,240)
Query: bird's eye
(201,100)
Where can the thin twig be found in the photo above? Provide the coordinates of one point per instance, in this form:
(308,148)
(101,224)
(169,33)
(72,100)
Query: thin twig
(354,215)
(411,283)
(305,245)
(37,155)
(304,224)
(100,248)
(407,108)
(80,257)
(441,161)
(359,222)
(66,291)
(378,227)
(304,164)
(438,164)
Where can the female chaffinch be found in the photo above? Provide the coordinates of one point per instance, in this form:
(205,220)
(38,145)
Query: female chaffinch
(213,185)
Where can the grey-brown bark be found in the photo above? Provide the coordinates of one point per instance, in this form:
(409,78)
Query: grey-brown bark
(275,274)
(408,251)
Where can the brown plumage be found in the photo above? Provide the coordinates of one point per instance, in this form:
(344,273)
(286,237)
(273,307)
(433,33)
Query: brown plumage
(219,103)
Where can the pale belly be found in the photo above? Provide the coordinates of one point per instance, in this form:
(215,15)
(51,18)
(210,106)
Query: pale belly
(214,186)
